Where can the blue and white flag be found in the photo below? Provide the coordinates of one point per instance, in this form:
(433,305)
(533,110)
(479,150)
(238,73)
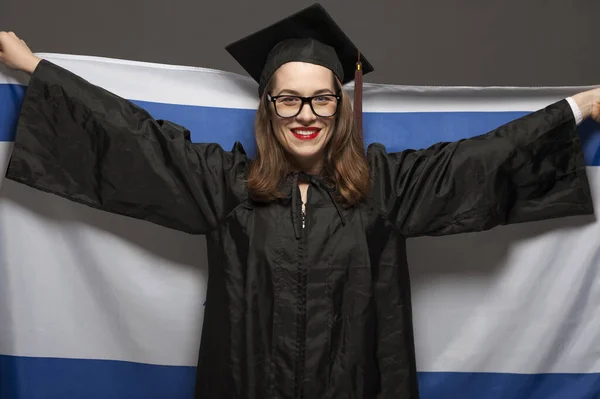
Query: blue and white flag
(97,305)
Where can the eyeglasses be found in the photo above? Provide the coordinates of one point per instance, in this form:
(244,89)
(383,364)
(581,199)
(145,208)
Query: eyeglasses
(288,106)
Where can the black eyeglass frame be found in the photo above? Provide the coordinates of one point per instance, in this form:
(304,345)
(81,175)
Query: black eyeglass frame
(305,100)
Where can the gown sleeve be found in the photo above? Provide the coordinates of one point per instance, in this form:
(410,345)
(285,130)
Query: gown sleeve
(529,169)
(83,143)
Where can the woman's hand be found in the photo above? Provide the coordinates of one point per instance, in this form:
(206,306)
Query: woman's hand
(589,103)
(15,53)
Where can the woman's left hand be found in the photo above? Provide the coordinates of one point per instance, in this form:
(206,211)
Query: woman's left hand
(589,103)
(596,106)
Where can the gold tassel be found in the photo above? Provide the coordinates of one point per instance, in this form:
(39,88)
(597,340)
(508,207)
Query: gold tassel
(358,83)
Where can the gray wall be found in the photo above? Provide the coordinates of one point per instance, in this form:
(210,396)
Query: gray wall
(447,42)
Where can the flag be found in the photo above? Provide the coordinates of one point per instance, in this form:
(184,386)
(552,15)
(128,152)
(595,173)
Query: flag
(96,305)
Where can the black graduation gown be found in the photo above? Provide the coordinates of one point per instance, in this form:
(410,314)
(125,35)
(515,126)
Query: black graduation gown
(322,311)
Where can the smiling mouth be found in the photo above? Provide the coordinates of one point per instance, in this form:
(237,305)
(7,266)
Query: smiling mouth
(306,133)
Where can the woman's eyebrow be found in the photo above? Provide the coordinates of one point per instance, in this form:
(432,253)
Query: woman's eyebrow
(295,93)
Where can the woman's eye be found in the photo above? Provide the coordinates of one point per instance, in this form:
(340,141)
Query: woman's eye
(323,99)
(288,99)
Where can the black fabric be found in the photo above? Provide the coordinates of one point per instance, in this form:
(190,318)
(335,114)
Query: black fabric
(322,311)
(310,35)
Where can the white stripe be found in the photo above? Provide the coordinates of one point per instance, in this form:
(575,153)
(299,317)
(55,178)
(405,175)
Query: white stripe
(5,150)
(208,87)
(162,83)
(517,299)
(9,76)
(390,98)
(81,283)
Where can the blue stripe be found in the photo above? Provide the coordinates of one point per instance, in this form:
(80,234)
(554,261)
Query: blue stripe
(11,97)
(509,386)
(398,131)
(52,378)
(49,378)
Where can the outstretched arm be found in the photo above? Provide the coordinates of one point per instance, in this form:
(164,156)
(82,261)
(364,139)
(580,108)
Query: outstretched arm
(529,169)
(88,145)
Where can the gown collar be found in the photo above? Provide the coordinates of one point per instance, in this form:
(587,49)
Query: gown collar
(323,183)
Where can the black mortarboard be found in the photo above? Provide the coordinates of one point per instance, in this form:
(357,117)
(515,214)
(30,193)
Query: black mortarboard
(310,35)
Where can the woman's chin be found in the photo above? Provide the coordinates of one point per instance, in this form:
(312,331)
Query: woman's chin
(306,152)
(306,158)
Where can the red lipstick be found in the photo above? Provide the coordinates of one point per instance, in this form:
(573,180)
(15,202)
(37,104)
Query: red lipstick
(306,133)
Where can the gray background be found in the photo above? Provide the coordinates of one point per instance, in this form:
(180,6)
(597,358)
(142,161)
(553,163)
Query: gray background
(420,42)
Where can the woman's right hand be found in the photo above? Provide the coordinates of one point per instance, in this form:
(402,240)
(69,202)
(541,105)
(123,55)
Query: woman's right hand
(15,53)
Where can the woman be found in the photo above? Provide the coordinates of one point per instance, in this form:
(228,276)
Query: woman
(309,294)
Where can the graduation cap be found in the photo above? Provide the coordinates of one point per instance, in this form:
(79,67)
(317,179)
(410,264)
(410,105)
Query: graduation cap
(310,35)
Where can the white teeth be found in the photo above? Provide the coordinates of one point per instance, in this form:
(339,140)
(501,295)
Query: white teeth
(305,132)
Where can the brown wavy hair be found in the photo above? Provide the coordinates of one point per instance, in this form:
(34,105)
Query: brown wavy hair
(345,164)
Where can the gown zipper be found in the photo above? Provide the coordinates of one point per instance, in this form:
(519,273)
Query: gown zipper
(303,215)
(301,304)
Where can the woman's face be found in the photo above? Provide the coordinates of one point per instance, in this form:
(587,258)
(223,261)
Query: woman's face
(304,136)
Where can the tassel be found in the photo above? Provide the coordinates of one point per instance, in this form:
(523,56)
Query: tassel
(358,83)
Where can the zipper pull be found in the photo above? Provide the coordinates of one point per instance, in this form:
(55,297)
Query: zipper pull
(303,215)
